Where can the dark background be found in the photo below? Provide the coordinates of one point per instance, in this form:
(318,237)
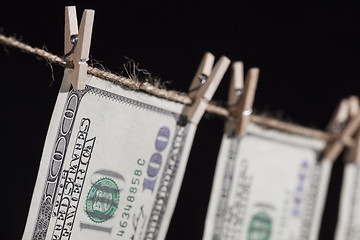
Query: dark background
(308,55)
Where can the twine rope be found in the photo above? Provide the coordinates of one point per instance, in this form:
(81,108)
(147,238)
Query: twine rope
(171,95)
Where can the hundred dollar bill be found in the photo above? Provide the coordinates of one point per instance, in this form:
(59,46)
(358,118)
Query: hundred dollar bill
(267,185)
(112,165)
(348,225)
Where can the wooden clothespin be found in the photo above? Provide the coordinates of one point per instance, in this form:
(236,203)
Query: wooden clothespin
(77,43)
(353,152)
(236,86)
(203,93)
(352,125)
(244,108)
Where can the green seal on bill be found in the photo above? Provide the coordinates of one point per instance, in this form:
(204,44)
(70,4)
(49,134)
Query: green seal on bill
(260,227)
(102,200)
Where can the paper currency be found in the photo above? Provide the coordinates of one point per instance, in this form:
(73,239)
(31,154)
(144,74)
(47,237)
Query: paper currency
(112,165)
(267,185)
(348,225)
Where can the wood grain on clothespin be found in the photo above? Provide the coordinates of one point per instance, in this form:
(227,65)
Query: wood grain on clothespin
(71,31)
(236,86)
(81,52)
(207,90)
(247,99)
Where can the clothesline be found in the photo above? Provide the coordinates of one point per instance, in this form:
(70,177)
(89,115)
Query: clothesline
(170,95)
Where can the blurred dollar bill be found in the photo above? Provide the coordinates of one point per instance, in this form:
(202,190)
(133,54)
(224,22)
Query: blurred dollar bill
(112,165)
(348,225)
(267,185)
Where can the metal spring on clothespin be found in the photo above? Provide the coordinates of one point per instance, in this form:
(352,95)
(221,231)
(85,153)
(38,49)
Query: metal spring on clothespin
(202,80)
(73,40)
(77,44)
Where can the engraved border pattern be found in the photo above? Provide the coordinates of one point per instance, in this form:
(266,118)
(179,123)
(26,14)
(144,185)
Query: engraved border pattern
(167,181)
(356,184)
(226,185)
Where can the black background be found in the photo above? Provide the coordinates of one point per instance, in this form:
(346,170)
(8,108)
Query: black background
(308,55)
